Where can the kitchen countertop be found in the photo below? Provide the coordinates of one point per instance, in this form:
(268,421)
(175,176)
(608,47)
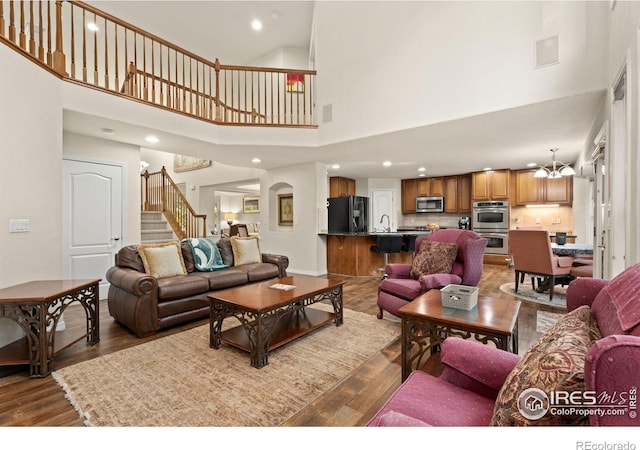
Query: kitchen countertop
(371,233)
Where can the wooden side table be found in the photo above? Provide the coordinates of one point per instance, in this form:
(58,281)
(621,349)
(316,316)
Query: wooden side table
(37,306)
(426,324)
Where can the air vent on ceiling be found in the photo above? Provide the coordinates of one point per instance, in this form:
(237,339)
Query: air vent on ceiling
(327,113)
(547,52)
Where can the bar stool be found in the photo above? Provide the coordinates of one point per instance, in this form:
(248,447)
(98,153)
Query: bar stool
(385,244)
(409,242)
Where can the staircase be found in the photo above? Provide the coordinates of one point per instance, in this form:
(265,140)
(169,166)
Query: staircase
(154,228)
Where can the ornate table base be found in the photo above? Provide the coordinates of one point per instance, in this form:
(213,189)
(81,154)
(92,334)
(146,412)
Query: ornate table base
(37,308)
(426,324)
(274,317)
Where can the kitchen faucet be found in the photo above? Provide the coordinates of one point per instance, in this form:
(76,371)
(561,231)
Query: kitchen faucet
(388,227)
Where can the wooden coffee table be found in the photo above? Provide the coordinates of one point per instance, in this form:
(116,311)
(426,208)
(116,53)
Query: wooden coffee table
(269,317)
(426,324)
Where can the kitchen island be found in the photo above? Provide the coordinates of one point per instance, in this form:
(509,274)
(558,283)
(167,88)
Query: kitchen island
(350,253)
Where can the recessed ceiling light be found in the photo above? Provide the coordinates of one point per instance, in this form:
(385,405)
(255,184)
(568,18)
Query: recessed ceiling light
(152,139)
(386,163)
(531,164)
(421,169)
(487,168)
(256,25)
(92,27)
(335,166)
(256,160)
(422,175)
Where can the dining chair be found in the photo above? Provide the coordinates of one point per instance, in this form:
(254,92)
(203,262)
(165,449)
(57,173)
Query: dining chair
(532,255)
(239,229)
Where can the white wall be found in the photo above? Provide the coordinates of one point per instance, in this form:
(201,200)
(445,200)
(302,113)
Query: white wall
(300,242)
(30,175)
(101,150)
(416,63)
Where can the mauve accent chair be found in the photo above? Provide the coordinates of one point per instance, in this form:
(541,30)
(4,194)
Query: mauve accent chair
(399,288)
(473,374)
(532,254)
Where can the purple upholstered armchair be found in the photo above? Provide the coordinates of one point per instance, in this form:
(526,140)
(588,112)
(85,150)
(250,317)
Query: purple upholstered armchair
(471,384)
(399,288)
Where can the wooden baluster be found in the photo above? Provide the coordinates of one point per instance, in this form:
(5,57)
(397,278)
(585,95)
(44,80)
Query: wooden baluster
(59,61)
(73,43)
(191,86)
(32,41)
(127,84)
(41,37)
(117,77)
(153,72)
(184,83)
(84,46)
(106,55)
(145,87)
(161,80)
(23,36)
(2,18)
(95,51)
(49,44)
(177,104)
(12,22)
(135,93)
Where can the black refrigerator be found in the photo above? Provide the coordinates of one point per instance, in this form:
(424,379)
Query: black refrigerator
(348,214)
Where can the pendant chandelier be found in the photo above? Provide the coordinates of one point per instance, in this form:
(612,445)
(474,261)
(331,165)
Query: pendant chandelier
(554,169)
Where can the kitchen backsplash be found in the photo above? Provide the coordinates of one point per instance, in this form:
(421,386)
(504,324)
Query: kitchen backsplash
(421,220)
(549,218)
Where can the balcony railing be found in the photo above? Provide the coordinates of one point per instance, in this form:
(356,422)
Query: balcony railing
(84,45)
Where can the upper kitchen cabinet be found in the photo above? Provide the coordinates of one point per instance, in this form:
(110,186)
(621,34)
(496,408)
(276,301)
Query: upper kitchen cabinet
(457,194)
(430,187)
(409,194)
(531,191)
(558,190)
(341,187)
(490,185)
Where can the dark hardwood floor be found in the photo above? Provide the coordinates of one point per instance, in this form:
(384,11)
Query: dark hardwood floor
(41,402)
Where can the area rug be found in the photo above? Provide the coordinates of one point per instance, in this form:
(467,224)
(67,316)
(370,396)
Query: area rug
(529,295)
(179,380)
(546,319)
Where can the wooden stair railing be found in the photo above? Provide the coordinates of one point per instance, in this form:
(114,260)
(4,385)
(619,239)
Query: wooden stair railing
(160,193)
(124,60)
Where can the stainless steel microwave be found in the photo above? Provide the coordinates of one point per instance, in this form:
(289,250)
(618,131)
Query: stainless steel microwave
(429,204)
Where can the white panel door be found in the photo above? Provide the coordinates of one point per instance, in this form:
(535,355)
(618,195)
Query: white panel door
(92,219)
(382,205)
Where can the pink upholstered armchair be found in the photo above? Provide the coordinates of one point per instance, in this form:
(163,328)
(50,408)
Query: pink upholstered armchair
(478,381)
(399,288)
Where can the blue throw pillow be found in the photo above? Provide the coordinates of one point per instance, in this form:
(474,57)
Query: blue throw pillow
(206,255)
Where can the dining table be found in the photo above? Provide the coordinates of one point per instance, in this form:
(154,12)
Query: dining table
(571,249)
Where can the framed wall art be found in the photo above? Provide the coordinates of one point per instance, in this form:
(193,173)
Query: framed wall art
(295,82)
(285,210)
(251,205)
(183,163)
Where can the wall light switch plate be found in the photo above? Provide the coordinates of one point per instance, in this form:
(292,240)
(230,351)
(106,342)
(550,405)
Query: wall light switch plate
(19,226)
(538,220)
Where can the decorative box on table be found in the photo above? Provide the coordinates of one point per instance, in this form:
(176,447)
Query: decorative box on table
(459,296)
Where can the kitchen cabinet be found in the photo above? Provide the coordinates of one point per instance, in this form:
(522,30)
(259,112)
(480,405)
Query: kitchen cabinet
(531,190)
(340,187)
(430,187)
(451,194)
(409,194)
(490,185)
(559,190)
(464,194)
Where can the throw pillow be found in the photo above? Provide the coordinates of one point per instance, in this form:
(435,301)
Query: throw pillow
(245,250)
(554,363)
(162,260)
(433,257)
(206,256)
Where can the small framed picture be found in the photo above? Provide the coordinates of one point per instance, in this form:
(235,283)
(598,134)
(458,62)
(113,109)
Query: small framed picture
(251,205)
(285,210)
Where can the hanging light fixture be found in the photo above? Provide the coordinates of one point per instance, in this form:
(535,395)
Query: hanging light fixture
(555,169)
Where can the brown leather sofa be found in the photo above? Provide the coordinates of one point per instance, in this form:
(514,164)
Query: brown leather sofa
(144,304)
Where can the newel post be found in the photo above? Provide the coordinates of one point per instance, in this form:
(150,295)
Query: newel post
(216,66)
(145,191)
(59,61)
